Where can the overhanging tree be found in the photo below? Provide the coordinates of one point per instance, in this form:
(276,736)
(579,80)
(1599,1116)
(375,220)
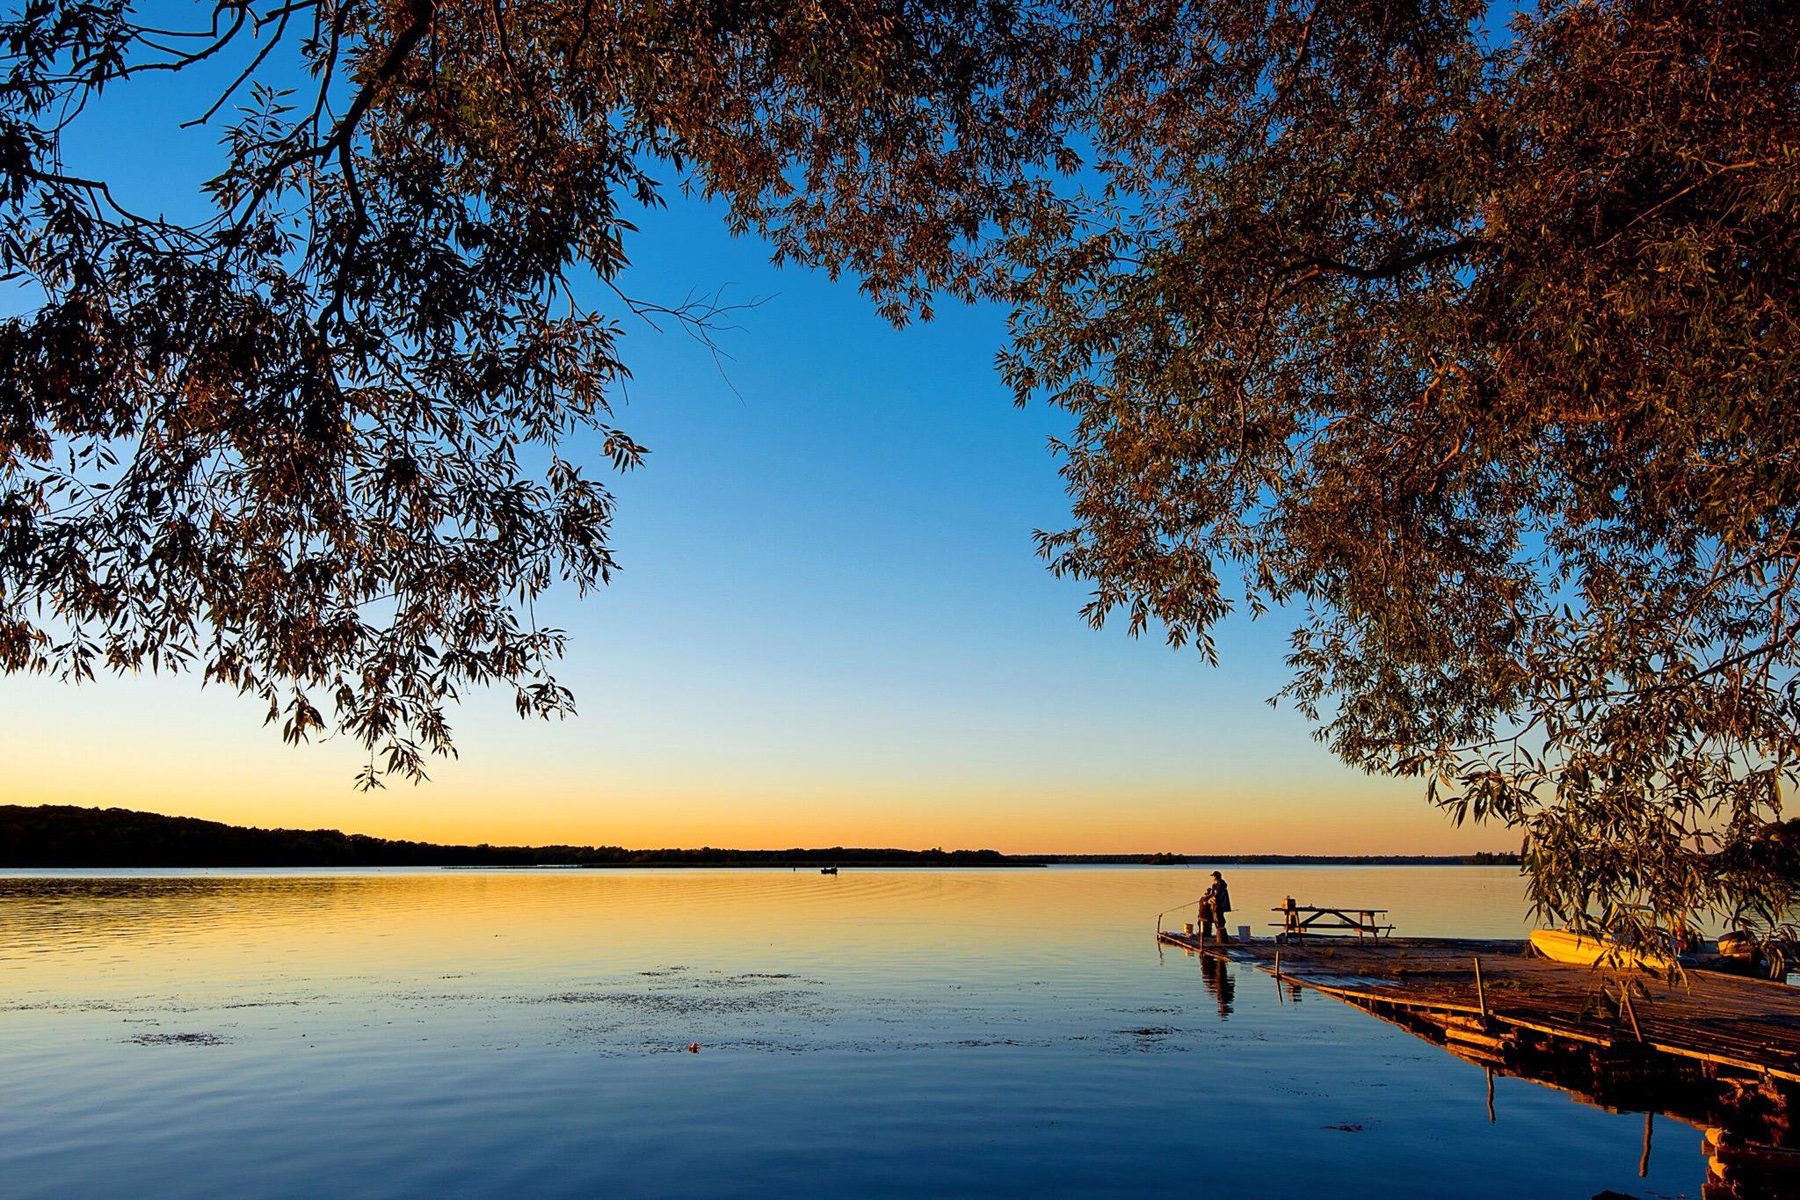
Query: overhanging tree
(316,441)
(1478,348)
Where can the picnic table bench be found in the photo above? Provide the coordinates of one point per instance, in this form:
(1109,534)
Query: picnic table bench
(1302,920)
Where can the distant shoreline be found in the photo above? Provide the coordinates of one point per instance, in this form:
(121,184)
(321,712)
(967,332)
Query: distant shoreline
(68,836)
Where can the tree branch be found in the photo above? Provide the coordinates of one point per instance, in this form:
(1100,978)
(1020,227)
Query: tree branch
(1386,268)
(422,12)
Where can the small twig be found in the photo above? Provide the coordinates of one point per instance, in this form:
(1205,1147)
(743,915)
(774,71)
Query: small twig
(256,62)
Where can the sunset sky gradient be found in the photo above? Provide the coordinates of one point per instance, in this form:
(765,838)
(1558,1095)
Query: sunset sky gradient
(830,629)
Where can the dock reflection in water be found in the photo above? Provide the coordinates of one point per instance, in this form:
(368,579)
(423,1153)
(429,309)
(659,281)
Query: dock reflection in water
(1718,1052)
(885,1033)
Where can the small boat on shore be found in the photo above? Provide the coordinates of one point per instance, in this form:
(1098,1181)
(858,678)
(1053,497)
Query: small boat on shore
(828,870)
(1567,946)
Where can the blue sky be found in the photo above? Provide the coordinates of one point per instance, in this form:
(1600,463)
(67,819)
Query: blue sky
(830,626)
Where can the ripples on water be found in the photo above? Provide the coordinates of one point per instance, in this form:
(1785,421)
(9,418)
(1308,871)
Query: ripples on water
(881,1032)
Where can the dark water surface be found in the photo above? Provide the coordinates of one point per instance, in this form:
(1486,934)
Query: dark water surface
(882,1032)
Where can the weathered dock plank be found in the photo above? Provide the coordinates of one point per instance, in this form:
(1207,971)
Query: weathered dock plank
(1745,1025)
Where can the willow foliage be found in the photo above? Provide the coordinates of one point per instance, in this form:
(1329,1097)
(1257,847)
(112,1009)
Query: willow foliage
(1478,347)
(316,442)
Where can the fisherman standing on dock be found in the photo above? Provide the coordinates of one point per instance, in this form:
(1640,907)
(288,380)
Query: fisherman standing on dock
(1214,905)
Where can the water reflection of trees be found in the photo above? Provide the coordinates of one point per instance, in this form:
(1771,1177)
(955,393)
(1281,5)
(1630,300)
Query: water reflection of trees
(48,912)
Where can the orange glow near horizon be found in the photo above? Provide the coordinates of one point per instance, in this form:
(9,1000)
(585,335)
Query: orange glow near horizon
(724,822)
(544,784)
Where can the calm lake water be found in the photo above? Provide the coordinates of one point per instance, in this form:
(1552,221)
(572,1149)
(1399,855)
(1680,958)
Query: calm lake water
(393,1033)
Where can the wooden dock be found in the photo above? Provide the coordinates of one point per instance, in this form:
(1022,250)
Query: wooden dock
(1737,1023)
(1717,1051)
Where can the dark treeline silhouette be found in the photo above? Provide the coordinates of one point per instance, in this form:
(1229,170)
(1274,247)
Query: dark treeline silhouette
(62,835)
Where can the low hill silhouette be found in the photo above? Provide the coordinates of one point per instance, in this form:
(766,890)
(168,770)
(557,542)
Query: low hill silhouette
(62,835)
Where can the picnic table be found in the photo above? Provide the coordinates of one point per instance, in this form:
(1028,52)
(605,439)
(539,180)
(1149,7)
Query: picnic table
(1301,920)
